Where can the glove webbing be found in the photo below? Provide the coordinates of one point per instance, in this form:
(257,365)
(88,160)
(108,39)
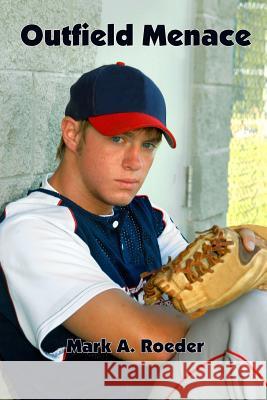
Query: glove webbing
(202,261)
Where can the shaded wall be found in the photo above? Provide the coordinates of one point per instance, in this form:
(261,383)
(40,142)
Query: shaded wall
(34,88)
(212,96)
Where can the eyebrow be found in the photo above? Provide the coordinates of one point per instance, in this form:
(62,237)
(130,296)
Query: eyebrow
(156,139)
(153,138)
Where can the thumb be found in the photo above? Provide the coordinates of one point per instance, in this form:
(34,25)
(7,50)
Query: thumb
(248,239)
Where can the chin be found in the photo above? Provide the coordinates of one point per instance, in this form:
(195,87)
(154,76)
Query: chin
(123,200)
(123,203)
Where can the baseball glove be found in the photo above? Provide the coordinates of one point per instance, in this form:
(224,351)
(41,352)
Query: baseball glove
(212,271)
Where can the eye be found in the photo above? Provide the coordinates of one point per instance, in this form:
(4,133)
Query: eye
(149,145)
(116,139)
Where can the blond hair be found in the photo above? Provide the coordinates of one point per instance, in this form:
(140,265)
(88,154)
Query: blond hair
(84,125)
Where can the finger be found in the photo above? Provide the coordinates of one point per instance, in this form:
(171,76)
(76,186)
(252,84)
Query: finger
(248,239)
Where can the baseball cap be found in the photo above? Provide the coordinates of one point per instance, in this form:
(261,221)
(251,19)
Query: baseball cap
(116,99)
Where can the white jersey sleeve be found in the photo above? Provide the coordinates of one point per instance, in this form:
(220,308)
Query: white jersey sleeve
(171,241)
(49,270)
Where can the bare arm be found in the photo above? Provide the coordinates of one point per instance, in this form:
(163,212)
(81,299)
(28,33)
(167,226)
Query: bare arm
(114,315)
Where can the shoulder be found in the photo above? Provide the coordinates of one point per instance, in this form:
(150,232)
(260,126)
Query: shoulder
(35,210)
(144,201)
(36,231)
(170,239)
(157,214)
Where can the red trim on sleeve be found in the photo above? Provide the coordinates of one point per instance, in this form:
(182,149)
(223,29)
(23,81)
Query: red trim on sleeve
(74,219)
(65,354)
(72,214)
(4,215)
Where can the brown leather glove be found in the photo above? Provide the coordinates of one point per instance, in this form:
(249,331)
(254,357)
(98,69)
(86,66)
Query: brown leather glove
(212,271)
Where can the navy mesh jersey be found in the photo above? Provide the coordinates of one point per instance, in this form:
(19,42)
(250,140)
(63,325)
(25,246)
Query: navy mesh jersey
(123,244)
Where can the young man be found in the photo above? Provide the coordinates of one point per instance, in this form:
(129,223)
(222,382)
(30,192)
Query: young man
(73,250)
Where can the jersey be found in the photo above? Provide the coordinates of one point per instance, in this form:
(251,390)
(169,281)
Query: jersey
(56,256)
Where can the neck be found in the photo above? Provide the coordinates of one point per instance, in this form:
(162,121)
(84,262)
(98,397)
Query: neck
(67,181)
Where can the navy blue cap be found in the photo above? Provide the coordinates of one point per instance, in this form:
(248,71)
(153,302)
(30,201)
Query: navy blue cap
(116,99)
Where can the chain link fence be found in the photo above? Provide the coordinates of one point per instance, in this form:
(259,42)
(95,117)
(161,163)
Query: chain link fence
(247,171)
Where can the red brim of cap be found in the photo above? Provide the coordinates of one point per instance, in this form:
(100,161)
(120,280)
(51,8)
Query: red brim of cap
(115,124)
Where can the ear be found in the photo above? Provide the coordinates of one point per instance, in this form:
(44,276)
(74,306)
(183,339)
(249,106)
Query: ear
(70,133)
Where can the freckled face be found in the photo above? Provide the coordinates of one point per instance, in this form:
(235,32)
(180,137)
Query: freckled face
(112,169)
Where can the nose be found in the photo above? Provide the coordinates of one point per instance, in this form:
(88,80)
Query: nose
(132,159)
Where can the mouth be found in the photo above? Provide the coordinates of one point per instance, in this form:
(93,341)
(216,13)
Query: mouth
(128,183)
